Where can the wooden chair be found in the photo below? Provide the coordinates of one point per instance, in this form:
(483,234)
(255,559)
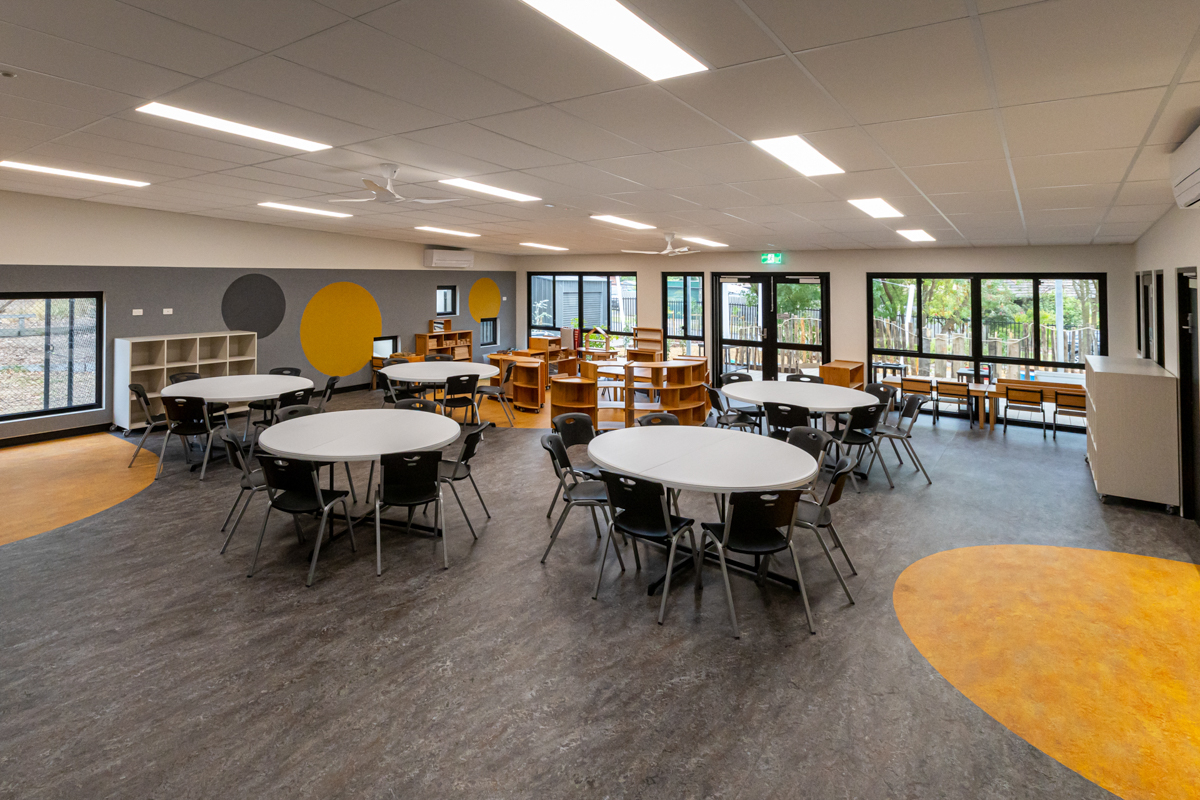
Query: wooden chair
(914,385)
(1017,398)
(956,393)
(1069,404)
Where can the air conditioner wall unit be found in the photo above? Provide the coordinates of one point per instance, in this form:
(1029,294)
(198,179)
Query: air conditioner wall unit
(446,258)
(1185,172)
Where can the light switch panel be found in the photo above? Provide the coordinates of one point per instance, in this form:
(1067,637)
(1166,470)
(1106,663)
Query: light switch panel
(168,311)
(137,312)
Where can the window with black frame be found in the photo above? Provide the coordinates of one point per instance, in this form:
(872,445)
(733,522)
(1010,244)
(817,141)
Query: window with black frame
(51,353)
(960,327)
(683,313)
(589,300)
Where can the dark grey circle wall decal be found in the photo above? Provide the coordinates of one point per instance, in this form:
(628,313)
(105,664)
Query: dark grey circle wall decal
(253,303)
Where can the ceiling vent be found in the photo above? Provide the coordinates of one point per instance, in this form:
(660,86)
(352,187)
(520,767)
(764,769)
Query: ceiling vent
(449,258)
(1185,172)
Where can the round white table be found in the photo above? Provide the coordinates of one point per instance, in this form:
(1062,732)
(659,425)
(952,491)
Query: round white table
(237,388)
(362,435)
(821,398)
(438,371)
(715,460)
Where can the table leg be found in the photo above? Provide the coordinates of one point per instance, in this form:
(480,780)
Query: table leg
(982,400)
(992,403)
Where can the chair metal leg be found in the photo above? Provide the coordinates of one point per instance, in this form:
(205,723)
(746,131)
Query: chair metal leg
(603,558)
(836,571)
(439,523)
(737,634)
(163,454)
(229,516)
(299,531)
(887,474)
(141,442)
(378,546)
(349,480)
(557,528)
(662,606)
(892,441)
(312,570)
(837,542)
(233,530)
(554,501)
(349,526)
(803,591)
(913,452)
(479,495)
(596,523)
(207,451)
(262,532)
(458,500)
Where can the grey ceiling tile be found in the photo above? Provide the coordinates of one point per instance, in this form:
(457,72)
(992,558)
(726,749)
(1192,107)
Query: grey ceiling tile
(716,31)
(556,131)
(786,190)
(813,23)
(263,24)
(649,116)
(443,163)
(465,138)
(655,170)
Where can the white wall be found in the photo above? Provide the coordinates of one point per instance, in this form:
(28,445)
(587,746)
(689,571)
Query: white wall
(49,230)
(1172,244)
(848,280)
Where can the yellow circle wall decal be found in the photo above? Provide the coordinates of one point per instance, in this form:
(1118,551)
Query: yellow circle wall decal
(484,299)
(338,328)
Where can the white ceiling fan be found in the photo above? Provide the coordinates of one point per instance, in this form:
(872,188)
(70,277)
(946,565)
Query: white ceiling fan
(670,251)
(387,194)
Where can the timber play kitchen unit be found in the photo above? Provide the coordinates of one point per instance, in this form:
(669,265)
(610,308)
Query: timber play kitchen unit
(441,339)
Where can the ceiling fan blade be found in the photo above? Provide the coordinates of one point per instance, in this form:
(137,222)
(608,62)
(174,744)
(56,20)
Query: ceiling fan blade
(373,186)
(431,200)
(684,252)
(352,200)
(643,252)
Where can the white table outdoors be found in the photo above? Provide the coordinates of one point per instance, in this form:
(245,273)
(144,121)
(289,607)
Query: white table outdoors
(438,371)
(237,388)
(714,460)
(819,397)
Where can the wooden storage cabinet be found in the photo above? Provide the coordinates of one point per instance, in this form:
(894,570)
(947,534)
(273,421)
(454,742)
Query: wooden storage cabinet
(151,360)
(843,373)
(1133,429)
(457,344)
(572,394)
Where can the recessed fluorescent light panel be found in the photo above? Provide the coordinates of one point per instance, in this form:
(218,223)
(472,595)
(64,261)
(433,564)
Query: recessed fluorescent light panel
(628,223)
(799,155)
(877,207)
(622,34)
(917,236)
(463,183)
(224,125)
(66,173)
(705,242)
(319,212)
(542,246)
(445,230)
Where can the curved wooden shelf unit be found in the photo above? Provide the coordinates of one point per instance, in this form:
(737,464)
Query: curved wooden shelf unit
(572,394)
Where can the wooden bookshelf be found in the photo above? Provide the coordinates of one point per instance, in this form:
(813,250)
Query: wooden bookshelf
(528,387)
(377,363)
(843,373)
(573,394)
(679,387)
(550,349)
(441,339)
(646,345)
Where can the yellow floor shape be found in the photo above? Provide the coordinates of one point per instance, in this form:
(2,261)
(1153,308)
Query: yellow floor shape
(1092,657)
(50,484)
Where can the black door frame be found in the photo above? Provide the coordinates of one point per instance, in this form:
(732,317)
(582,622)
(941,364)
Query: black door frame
(1187,401)
(769,344)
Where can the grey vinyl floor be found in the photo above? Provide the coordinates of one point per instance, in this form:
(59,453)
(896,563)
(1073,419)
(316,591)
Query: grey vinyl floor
(137,662)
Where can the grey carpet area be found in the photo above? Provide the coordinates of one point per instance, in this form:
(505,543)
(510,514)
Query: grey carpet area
(136,662)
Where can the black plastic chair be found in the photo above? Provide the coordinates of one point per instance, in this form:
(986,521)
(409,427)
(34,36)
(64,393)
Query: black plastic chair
(498,394)
(419,404)
(752,527)
(782,417)
(460,469)
(293,488)
(252,480)
(152,420)
(585,494)
(644,514)
(800,377)
(724,417)
(902,433)
(460,393)
(327,392)
(291,412)
(818,444)
(186,416)
(750,410)
(860,422)
(410,480)
(214,409)
(656,418)
(576,430)
(394,391)
(183,377)
(299,397)
(292,371)
(268,405)
(439,357)
(815,516)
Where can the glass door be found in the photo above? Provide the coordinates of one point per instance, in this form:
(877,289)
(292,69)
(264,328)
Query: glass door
(772,326)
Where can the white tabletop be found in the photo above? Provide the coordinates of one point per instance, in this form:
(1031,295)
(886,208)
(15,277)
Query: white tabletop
(820,397)
(361,435)
(237,388)
(438,371)
(703,459)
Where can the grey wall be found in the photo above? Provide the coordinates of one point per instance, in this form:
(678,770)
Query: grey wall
(405,299)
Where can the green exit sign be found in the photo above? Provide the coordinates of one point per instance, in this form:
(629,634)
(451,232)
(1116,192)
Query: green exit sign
(772,258)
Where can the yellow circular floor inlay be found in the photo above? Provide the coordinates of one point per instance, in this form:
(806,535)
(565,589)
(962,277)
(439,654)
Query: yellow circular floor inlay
(484,299)
(338,328)
(1092,657)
